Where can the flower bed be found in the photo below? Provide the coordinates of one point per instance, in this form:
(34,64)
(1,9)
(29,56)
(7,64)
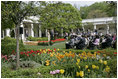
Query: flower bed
(56,63)
(51,42)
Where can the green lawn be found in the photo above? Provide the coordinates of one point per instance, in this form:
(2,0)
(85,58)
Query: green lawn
(60,45)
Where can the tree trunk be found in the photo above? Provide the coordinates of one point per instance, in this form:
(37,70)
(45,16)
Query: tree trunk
(17,48)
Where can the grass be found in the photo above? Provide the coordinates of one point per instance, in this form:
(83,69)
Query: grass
(60,45)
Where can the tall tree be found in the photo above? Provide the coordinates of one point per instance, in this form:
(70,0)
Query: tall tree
(96,14)
(112,8)
(55,15)
(14,12)
(98,6)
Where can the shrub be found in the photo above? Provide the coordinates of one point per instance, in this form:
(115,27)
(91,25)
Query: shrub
(8,46)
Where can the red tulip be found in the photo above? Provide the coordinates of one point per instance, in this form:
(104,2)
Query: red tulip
(28,55)
(32,51)
(21,53)
(115,52)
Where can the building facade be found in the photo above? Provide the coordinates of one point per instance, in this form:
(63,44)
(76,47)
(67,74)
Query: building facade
(32,27)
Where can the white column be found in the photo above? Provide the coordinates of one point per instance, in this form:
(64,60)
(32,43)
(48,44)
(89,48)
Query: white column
(40,33)
(32,32)
(83,27)
(3,33)
(62,32)
(94,27)
(8,32)
(23,36)
(107,29)
(46,31)
(71,30)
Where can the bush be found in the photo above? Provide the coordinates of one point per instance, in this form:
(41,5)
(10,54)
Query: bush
(30,38)
(8,46)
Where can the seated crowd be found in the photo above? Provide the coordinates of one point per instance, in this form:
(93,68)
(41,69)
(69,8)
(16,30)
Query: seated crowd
(91,41)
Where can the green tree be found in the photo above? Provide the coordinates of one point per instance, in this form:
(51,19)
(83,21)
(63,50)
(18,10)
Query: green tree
(96,14)
(112,8)
(96,7)
(14,12)
(54,15)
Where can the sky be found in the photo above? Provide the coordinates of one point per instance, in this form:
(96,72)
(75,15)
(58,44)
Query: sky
(81,3)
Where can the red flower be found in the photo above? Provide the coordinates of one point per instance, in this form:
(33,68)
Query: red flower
(37,51)
(115,52)
(28,55)
(33,55)
(21,53)
(32,51)
(55,49)
(98,51)
(28,52)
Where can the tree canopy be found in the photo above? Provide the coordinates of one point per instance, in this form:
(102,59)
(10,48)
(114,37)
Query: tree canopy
(55,15)
(13,12)
(103,8)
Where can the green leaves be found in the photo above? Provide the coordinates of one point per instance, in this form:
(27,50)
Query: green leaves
(57,15)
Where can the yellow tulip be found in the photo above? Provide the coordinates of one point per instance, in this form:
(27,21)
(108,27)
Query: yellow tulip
(97,67)
(77,73)
(77,63)
(53,62)
(79,67)
(107,69)
(81,73)
(47,61)
(58,49)
(105,62)
(85,58)
(47,64)
(86,66)
(61,71)
(93,66)
(88,70)
(104,55)
(101,61)
(78,60)
(51,55)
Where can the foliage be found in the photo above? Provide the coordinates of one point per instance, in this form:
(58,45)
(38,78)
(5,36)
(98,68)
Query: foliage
(112,8)
(8,46)
(86,64)
(54,15)
(96,14)
(104,9)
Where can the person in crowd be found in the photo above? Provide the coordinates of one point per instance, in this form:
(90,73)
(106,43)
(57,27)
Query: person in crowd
(92,40)
(97,41)
(114,41)
(81,43)
(66,36)
(107,42)
(70,44)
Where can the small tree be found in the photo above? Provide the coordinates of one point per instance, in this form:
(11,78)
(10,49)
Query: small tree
(14,12)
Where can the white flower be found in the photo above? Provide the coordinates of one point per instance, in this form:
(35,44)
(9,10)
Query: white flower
(108,57)
(39,73)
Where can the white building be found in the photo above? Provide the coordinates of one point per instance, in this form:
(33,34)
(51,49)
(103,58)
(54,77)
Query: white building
(104,25)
